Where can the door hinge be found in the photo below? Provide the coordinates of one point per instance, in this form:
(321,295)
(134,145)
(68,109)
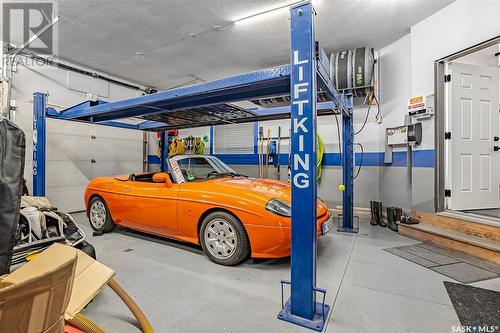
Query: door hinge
(447,193)
(447,135)
(447,78)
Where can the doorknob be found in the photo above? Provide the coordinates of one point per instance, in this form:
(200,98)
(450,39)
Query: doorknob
(496,148)
(495,138)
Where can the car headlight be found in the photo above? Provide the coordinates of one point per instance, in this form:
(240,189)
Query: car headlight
(279,208)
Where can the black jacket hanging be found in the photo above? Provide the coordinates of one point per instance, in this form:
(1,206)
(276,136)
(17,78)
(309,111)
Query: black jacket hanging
(12,155)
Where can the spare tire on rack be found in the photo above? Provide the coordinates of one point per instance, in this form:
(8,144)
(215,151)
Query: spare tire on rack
(353,70)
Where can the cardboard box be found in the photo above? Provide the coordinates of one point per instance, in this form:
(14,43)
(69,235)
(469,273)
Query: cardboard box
(54,286)
(34,297)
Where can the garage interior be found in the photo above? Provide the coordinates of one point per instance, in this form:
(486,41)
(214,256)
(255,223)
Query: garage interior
(250,166)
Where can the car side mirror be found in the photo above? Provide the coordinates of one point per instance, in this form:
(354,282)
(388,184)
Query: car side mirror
(168,182)
(162,177)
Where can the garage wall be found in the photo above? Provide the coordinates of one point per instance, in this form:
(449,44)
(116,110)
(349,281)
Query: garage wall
(395,89)
(408,68)
(70,148)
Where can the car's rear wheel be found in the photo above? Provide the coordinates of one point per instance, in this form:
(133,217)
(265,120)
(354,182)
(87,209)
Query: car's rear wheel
(99,216)
(224,239)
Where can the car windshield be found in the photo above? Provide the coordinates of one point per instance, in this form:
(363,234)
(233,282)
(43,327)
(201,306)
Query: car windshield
(199,168)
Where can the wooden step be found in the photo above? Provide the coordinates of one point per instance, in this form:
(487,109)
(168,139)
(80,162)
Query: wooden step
(460,225)
(476,246)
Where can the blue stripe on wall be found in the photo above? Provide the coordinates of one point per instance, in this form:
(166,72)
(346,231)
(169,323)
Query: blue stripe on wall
(153,159)
(421,159)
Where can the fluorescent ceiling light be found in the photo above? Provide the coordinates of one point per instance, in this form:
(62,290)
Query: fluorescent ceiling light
(267,12)
(259,14)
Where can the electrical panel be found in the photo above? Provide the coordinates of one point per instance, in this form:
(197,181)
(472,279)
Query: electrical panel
(406,135)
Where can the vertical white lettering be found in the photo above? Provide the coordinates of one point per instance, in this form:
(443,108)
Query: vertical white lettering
(304,163)
(301,180)
(297,124)
(300,109)
(297,88)
(296,60)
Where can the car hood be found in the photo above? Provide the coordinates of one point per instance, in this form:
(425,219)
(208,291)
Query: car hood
(266,188)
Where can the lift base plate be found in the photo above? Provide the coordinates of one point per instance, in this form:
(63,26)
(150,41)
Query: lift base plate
(316,324)
(353,230)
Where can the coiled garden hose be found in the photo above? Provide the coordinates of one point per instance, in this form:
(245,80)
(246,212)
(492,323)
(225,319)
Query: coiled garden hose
(319,158)
(199,146)
(134,308)
(177,147)
(83,323)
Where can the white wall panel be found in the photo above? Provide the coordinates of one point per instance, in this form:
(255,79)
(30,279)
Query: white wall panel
(70,147)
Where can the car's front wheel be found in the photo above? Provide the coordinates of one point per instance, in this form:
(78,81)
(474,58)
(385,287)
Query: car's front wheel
(224,239)
(99,216)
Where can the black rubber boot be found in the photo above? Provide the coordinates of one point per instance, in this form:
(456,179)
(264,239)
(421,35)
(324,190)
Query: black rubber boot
(380,216)
(373,220)
(391,218)
(399,213)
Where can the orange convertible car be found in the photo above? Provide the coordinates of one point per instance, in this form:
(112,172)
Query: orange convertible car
(203,201)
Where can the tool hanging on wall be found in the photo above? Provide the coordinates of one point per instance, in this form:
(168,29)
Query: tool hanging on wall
(267,155)
(272,153)
(199,146)
(158,150)
(260,151)
(177,147)
(277,160)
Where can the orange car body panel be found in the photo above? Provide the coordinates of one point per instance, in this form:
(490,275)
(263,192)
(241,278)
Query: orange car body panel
(177,212)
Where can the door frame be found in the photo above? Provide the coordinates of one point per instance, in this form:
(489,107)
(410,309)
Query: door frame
(440,119)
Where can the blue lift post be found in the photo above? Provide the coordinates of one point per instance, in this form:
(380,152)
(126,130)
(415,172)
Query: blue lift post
(302,308)
(347,175)
(39,143)
(164,151)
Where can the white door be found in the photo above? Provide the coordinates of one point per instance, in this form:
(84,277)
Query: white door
(474,120)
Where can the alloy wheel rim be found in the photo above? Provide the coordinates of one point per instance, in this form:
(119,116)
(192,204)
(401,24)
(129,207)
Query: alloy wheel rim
(98,214)
(220,239)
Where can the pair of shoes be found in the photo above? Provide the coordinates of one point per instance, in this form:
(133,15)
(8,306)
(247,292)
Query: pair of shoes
(376,214)
(408,219)
(393,215)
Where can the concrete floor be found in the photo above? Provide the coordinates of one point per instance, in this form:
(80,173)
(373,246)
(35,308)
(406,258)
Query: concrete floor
(180,290)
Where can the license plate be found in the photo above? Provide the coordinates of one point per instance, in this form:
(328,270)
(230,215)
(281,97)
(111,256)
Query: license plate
(326,226)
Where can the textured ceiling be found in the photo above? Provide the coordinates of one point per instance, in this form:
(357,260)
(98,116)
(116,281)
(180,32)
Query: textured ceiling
(106,34)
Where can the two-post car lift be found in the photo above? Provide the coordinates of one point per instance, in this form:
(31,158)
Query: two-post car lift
(205,104)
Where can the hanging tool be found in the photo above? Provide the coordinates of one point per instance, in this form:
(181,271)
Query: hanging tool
(199,146)
(177,147)
(272,149)
(277,163)
(267,155)
(260,151)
